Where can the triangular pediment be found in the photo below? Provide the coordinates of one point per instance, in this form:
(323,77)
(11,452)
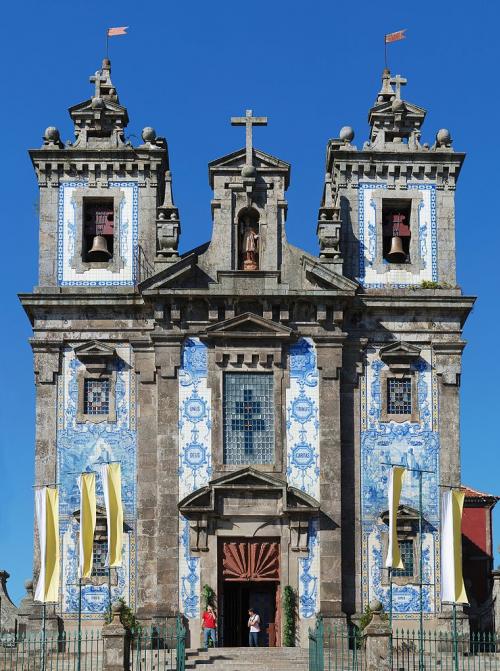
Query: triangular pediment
(237,159)
(248,479)
(326,278)
(249,325)
(405,514)
(87,107)
(399,349)
(410,109)
(94,348)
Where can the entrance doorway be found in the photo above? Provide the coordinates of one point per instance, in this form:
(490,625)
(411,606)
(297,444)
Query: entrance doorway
(238,597)
(249,577)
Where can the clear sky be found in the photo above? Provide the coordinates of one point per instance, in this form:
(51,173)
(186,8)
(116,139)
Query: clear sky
(185,68)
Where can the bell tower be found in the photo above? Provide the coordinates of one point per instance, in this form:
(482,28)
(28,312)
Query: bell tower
(393,201)
(248,208)
(106,208)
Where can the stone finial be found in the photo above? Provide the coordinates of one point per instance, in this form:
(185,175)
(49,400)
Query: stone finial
(116,611)
(148,134)
(443,138)
(52,138)
(346,134)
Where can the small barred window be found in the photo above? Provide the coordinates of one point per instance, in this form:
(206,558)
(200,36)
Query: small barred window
(99,559)
(406,550)
(399,396)
(96,396)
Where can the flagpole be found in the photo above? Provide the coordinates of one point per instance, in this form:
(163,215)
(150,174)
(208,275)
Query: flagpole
(455,637)
(421,571)
(44,624)
(79,658)
(107,42)
(109,589)
(385,51)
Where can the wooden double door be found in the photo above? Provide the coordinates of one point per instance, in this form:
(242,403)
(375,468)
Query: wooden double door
(249,578)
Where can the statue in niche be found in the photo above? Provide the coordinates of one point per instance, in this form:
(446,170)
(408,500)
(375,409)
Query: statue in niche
(249,257)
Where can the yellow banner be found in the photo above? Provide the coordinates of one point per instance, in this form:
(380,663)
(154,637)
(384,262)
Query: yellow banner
(51,545)
(86,483)
(393,559)
(112,488)
(452,581)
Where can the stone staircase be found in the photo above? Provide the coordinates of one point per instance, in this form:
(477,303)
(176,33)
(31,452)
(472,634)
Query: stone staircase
(246,659)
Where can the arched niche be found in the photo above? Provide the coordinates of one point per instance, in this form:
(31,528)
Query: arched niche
(248,239)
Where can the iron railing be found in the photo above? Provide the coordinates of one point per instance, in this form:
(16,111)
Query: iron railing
(52,652)
(443,651)
(341,649)
(159,648)
(334,648)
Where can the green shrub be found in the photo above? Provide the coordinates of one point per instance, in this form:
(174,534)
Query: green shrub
(289,604)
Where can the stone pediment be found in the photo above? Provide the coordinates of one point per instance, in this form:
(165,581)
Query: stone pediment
(86,107)
(94,350)
(249,325)
(399,355)
(406,516)
(248,485)
(409,109)
(326,278)
(234,162)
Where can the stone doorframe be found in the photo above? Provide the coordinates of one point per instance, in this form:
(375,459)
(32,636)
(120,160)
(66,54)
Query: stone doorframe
(248,493)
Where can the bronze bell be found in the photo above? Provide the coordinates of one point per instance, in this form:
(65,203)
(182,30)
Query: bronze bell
(99,247)
(396,253)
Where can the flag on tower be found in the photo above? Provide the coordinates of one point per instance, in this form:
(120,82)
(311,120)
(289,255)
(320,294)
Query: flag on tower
(47,518)
(452,581)
(86,485)
(393,559)
(395,37)
(112,489)
(119,30)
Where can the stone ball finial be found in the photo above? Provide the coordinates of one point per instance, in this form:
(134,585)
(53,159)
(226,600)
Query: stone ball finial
(162,215)
(375,606)
(116,607)
(248,171)
(443,137)
(397,104)
(97,103)
(28,585)
(52,134)
(148,134)
(106,63)
(346,134)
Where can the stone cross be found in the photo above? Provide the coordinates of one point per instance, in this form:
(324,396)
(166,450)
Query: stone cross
(399,81)
(98,79)
(248,120)
(249,420)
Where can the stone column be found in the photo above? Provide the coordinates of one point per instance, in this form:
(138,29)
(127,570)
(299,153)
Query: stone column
(376,640)
(329,353)
(116,642)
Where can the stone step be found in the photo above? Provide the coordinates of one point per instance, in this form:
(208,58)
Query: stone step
(248,659)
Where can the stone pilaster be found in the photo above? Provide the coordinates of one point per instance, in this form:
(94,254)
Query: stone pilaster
(329,353)
(168,355)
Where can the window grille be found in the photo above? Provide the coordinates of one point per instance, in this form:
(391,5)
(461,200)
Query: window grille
(399,396)
(99,567)
(248,409)
(96,396)
(406,550)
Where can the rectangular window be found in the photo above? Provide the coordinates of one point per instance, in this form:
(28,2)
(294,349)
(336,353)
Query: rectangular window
(396,232)
(406,550)
(96,396)
(99,558)
(398,396)
(248,408)
(98,229)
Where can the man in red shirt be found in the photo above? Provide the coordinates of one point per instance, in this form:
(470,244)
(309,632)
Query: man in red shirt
(209,626)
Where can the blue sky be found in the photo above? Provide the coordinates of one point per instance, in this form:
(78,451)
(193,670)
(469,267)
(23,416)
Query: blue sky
(185,68)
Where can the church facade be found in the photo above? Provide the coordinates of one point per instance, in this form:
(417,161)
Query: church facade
(255,395)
